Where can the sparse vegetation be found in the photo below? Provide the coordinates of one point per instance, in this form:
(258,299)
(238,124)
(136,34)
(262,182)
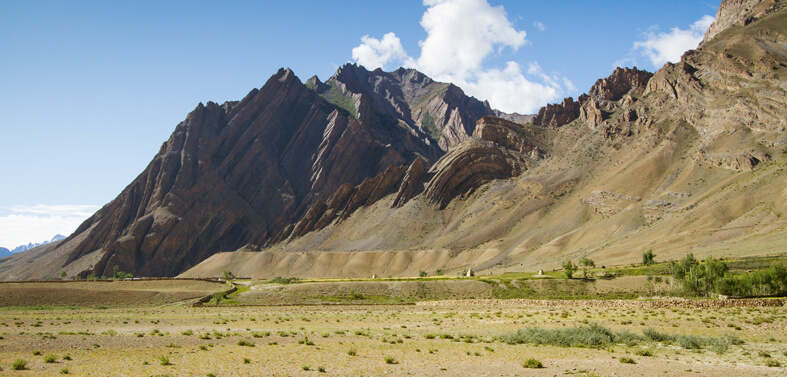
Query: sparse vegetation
(532,363)
(569,268)
(648,258)
(19,364)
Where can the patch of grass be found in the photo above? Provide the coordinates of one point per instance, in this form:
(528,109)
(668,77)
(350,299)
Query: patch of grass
(772,363)
(643,352)
(64,370)
(50,358)
(390,359)
(627,360)
(593,336)
(321,369)
(245,343)
(246,360)
(19,364)
(352,352)
(335,96)
(532,363)
(163,360)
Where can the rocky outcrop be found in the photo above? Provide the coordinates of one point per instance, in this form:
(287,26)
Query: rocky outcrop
(412,183)
(610,93)
(619,83)
(373,189)
(556,115)
(509,135)
(740,13)
(743,161)
(467,167)
(499,149)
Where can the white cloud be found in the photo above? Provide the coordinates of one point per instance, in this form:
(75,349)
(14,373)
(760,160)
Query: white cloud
(539,25)
(377,53)
(661,48)
(23,224)
(461,36)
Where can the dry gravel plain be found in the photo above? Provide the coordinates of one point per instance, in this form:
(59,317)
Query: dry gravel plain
(445,338)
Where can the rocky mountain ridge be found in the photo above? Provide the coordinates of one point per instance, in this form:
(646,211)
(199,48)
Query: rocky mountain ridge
(391,172)
(288,158)
(4,252)
(692,158)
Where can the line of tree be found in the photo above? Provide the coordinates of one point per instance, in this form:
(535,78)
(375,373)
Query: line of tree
(711,276)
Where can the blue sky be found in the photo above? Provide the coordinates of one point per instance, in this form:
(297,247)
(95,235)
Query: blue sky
(90,89)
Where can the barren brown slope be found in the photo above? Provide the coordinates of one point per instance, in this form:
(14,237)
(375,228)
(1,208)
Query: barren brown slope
(691,159)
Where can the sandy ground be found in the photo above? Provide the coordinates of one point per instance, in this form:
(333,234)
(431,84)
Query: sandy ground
(118,293)
(203,340)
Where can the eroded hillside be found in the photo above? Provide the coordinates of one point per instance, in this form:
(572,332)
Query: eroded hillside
(690,159)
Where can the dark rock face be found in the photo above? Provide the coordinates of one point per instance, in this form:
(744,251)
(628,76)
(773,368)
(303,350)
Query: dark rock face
(241,173)
(412,184)
(288,159)
(434,112)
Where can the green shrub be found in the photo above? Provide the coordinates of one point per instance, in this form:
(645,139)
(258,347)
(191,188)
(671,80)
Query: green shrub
(643,352)
(19,364)
(245,343)
(64,370)
(390,359)
(50,358)
(321,369)
(163,360)
(570,268)
(281,280)
(532,364)
(772,363)
(352,352)
(594,336)
(627,360)
(648,258)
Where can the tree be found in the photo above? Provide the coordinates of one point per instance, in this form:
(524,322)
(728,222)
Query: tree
(227,275)
(422,273)
(586,263)
(62,274)
(570,268)
(648,258)
(117,274)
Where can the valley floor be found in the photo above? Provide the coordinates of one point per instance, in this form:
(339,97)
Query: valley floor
(422,339)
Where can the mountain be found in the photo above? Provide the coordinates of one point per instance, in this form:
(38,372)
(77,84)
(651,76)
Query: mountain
(245,172)
(392,173)
(5,252)
(692,158)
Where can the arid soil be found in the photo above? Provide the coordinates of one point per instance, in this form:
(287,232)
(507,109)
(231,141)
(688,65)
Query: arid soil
(430,339)
(121,293)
